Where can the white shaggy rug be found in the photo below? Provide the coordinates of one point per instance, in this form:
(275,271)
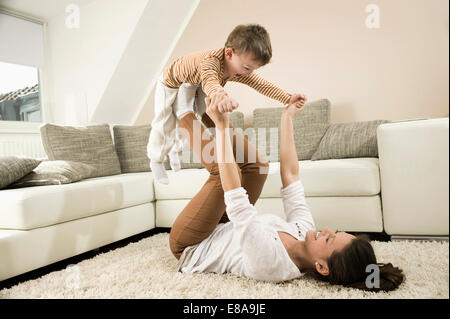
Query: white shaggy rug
(147,269)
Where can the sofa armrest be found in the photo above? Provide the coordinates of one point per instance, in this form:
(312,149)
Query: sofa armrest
(414,168)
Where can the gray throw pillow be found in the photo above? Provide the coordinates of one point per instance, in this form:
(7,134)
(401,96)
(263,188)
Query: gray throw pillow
(237,119)
(91,145)
(309,127)
(349,140)
(13,168)
(55,173)
(131,147)
(187,157)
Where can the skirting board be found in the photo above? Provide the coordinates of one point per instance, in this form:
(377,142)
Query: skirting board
(412,237)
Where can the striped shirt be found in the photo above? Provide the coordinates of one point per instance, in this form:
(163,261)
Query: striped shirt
(207,68)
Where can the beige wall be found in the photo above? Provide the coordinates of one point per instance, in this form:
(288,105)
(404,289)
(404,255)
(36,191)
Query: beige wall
(322,48)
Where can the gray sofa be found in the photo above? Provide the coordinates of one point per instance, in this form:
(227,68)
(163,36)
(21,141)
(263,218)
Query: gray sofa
(402,190)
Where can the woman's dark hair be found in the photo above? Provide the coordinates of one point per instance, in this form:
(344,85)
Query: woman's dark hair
(251,38)
(348,267)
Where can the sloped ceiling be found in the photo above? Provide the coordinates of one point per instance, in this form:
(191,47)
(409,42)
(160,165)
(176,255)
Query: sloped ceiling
(149,47)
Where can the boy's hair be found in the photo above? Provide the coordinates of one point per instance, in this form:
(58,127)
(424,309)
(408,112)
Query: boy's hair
(251,38)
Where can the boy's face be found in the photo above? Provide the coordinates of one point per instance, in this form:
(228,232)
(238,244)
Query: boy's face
(240,64)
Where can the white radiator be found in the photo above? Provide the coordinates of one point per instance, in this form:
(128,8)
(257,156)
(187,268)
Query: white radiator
(22,144)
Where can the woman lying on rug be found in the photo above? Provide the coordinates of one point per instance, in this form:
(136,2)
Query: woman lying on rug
(263,246)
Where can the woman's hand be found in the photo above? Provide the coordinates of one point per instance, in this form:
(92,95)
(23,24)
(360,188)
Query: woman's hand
(297,103)
(224,102)
(221,120)
(297,98)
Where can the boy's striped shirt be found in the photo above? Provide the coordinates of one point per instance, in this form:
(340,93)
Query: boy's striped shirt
(207,68)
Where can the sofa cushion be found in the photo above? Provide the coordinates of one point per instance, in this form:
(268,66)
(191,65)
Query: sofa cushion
(91,145)
(237,119)
(55,173)
(131,146)
(12,168)
(349,140)
(346,213)
(343,177)
(32,207)
(131,143)
(335,177)
(309,127)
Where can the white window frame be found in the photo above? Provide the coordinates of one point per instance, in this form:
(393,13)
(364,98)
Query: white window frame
(29,127)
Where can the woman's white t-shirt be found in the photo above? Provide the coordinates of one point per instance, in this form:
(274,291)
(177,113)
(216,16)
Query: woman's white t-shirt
(249,245)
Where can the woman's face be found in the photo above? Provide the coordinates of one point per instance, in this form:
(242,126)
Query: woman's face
(320,245)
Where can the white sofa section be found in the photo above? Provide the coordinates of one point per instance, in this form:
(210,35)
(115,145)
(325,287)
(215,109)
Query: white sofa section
(25,250)
(414,165)
(45,224)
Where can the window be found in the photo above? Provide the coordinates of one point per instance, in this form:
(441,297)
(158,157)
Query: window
(21,57)
(19,93)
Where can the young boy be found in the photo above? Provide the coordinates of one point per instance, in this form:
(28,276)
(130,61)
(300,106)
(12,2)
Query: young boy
(185,83)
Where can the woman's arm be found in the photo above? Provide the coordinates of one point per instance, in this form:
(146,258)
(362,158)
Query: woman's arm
(288,153)
(228,169)
(229,174)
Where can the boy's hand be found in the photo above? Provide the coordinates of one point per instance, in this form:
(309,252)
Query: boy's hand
(297,98)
